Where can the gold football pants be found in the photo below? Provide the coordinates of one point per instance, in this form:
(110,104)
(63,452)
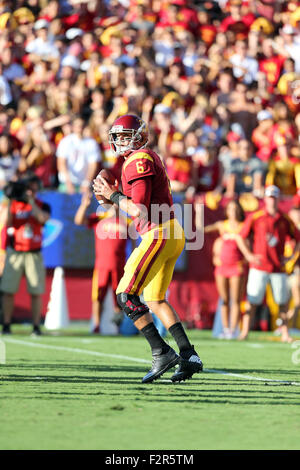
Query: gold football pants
(150,267)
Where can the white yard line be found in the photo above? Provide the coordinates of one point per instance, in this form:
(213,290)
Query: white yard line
(136,359)
(251,377)
(76,350)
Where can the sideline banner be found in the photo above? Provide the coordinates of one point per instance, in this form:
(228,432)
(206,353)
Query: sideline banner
(64,243)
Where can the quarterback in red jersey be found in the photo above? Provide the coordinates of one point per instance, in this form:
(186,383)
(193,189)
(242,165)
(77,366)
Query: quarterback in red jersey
(147,198)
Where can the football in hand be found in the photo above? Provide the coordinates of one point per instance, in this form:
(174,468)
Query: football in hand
(108,176)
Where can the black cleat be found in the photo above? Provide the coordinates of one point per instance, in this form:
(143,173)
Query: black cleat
(189,364)
(160,364)
(6,330)
(36,331)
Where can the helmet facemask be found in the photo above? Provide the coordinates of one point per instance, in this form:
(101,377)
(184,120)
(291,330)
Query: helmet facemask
(124,141)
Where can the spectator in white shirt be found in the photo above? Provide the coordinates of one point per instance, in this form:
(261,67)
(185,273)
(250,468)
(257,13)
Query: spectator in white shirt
(163,45)
(244,67)
(9,161)
(41,46)
(290,44)
(78,158)
(5,91)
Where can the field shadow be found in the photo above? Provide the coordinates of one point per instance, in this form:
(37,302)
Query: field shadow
(114,380)
(67,366)
(86,373)
(158,392)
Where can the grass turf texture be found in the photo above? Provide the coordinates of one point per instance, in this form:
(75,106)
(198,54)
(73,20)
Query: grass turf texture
(79,394)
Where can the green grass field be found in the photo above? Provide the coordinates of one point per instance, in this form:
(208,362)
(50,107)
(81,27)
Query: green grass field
(77,391)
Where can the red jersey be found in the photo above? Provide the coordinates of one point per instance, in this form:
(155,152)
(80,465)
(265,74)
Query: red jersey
(83,20)
(207,176)
(264,151)
(186,19)
(145,163)
(207,33)
(27,230)
(239,28)
(111,233)
(269,237)
(272,68)
(179,168)
(230,253)
(231,261)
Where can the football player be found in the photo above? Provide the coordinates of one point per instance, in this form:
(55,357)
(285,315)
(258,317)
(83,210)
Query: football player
(147,198)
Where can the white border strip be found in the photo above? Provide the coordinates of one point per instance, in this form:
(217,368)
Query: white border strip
(144,361)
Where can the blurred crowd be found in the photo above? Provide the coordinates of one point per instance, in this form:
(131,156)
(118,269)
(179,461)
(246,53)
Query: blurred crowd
(218,82)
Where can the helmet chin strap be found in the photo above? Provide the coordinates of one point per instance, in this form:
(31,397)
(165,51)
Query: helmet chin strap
(122,148)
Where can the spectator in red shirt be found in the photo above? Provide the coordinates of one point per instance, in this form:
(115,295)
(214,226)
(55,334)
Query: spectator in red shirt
(271,64)
(178,17)
(178,164)
(262,136)
(237,22)
(269,228)
(207,169)
(206,30)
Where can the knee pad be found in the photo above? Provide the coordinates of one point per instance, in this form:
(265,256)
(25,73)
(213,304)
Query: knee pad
(132,306)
